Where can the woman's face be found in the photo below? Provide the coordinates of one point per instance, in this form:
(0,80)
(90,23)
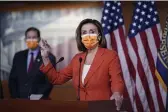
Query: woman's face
(89,35)
(89,28)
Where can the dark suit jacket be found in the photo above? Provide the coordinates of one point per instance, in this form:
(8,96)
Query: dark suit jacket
(23,84)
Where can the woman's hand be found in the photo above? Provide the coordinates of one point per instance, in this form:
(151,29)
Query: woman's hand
(45,50)
(118,99)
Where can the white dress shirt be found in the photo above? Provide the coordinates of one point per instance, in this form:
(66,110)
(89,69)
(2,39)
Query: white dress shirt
(85,71)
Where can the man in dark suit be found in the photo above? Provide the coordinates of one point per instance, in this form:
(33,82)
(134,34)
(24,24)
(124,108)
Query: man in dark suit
(25,77)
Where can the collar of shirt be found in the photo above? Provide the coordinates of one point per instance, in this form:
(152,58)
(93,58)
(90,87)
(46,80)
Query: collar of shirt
(35,52)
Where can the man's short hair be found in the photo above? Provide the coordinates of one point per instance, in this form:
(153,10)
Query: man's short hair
(33,29)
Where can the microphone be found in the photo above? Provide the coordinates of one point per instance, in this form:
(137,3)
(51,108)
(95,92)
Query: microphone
(80,60)
(61,59)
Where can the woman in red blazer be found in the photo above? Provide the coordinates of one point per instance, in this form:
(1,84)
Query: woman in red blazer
(100,73)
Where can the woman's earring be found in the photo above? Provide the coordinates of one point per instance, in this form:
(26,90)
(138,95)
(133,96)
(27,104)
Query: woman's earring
(99,37)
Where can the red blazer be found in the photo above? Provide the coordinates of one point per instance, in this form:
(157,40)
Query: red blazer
(103,78)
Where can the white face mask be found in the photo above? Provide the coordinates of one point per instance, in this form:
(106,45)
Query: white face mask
(90,40)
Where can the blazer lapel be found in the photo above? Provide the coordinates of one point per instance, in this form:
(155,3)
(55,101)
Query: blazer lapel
(95,64)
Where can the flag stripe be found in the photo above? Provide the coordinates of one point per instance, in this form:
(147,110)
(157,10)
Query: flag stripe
(152,43)
(154,40)
(156,37)
(138,82)
(138,101)
(131,68)
(152,37)
(141,72)
(148,65)
(114,43)
(108,40)
(121,46)
(151,64)
(159,30)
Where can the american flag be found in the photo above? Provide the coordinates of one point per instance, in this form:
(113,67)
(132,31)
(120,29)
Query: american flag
(114,30)
(137,53)
(144,39)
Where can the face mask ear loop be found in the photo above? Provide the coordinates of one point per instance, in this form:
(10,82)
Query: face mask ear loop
(98,37)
